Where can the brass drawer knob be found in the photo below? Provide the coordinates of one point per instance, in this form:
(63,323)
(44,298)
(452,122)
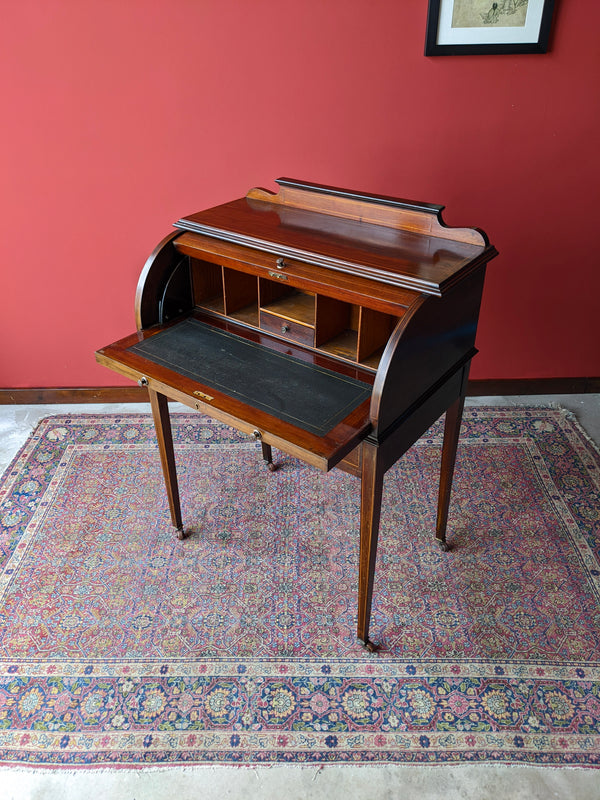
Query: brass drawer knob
(285,328)
(257,434)
(281,263)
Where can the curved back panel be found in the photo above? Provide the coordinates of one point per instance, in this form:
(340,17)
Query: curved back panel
(433,340)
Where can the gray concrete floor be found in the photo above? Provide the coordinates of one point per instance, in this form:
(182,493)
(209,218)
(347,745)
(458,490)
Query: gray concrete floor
(17,421)
(386,782)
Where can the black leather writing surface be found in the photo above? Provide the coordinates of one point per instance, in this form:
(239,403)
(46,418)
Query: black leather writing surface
(310,397)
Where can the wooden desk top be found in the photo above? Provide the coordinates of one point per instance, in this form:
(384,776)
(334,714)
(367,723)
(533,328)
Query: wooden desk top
(404,245)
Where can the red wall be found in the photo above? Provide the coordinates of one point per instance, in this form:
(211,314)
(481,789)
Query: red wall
(120,116)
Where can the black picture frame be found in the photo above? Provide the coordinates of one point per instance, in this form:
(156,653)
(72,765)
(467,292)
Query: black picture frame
(536,39)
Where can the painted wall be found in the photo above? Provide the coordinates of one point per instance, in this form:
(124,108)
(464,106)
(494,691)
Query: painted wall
(120,116)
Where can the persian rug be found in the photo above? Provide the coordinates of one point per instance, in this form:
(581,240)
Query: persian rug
(121,645)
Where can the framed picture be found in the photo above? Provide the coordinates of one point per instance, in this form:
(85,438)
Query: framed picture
(482,27)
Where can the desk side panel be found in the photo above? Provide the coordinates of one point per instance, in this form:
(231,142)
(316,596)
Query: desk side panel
(432,341)
(164,287)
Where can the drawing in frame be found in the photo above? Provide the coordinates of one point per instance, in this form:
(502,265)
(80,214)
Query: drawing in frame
(484,27)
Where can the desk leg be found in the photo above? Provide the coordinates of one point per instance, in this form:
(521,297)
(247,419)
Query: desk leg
(162,425)
(267,454)
(370,509)
(451,435)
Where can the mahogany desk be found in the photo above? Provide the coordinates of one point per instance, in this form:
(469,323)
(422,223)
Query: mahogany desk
(333,325)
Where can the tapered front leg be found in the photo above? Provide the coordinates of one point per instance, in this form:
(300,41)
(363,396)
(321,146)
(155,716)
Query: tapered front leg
(162,425)
(370,510)
(449,448)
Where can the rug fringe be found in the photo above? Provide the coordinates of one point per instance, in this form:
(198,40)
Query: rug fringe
(317,769)
(572,417)
(134,769)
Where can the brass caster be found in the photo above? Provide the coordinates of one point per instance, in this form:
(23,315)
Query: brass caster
(180,533)
(271,466)
(443,545)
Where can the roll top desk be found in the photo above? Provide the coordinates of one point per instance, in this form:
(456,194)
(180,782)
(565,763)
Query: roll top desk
(332,325)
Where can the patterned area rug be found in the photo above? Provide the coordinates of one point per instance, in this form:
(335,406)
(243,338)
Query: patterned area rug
(120,644)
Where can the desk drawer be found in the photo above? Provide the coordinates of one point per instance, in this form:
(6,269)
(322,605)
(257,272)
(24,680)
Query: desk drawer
(287,329)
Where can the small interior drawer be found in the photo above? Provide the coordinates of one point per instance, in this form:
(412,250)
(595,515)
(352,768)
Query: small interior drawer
(288,329)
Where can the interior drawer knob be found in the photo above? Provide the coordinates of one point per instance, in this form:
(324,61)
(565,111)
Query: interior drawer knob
(285,328)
